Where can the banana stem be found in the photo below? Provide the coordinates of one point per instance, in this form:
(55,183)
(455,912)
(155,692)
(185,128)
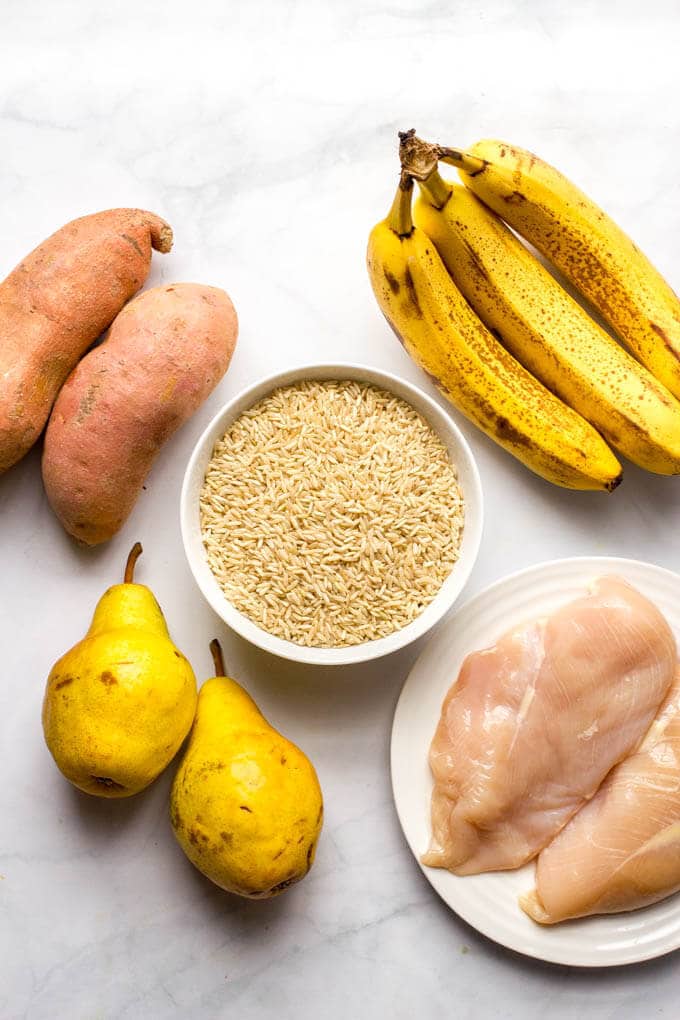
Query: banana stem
(420,158)
(436,189)
(399,218)
(472,165)
(133,556)
(216,651)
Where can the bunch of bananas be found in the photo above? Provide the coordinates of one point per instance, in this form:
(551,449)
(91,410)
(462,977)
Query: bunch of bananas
(503,340)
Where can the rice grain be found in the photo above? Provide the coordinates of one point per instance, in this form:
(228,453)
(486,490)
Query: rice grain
(331,513)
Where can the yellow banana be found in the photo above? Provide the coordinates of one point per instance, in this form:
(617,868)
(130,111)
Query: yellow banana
(445,337)
(549,332)
(585,244)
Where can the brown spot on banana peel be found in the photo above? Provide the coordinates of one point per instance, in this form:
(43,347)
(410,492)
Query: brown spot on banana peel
(663,335)
(108,679)
(507,432)
(475,260)
(392,281)
(413,296)
(482,168)
(63,683)
(514,198)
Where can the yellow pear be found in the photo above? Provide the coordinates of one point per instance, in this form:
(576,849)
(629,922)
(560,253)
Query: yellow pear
(246,805)
(119,704)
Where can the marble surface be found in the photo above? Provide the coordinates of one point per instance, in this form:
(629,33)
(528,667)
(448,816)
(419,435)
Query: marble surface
(265,132)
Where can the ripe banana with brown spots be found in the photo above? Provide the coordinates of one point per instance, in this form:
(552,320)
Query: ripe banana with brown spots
(585,244)
(542,325)
(445,337)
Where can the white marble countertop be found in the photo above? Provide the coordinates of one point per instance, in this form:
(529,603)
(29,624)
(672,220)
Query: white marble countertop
(265,132)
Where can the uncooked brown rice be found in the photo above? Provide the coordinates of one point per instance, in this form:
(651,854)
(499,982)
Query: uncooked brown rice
(331,513)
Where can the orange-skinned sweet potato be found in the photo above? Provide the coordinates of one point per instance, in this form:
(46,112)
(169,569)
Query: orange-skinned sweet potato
(166,351)
(56,303)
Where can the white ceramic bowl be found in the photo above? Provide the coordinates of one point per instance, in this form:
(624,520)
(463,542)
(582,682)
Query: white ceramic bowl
(468,477)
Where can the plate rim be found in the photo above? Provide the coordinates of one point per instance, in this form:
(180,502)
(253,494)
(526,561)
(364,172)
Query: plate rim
(613,563)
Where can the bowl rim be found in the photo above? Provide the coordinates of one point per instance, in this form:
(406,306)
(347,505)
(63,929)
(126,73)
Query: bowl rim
(464,461)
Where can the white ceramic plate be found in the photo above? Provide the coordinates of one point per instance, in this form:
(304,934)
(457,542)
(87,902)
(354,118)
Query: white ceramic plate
(489,902)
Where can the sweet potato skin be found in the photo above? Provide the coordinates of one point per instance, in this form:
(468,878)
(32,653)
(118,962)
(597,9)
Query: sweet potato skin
(56,303)
(166,351)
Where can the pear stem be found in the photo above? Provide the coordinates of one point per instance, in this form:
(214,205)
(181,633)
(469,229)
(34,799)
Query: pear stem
(133,556)
(399,218)
(216,651)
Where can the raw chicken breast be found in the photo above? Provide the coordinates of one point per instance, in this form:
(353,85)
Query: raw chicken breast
(622,850)
(533,725)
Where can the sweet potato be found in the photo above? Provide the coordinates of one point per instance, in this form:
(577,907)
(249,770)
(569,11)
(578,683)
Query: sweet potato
(56,303)
(166,351)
